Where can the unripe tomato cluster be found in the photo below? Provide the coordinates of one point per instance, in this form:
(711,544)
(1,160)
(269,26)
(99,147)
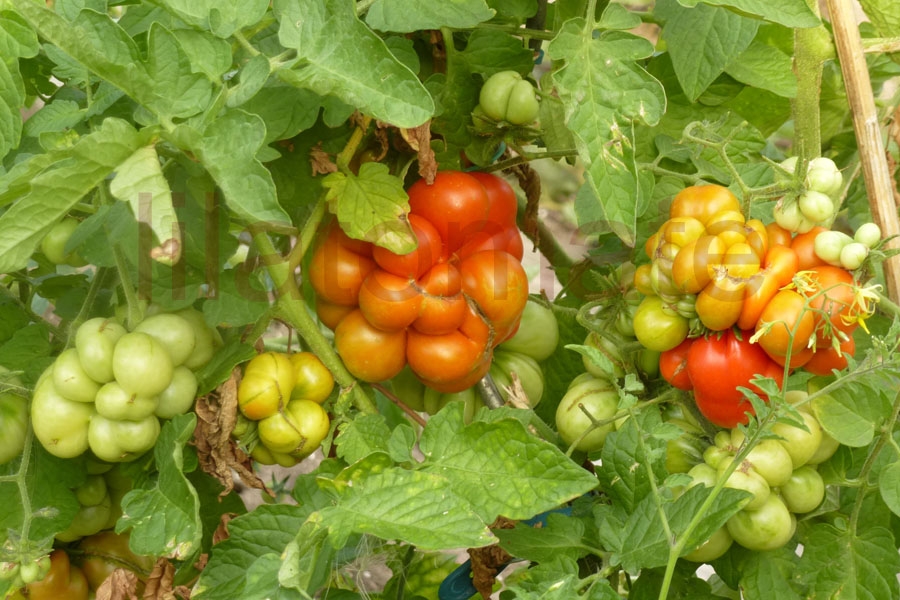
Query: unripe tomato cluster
(441,308)
(767,297)
(779,474)
(518,357)
(816,205)
(283,393)
(108,392)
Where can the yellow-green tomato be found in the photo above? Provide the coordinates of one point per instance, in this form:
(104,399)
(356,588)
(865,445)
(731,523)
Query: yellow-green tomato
(141,364)
(800,444)
(173,332)
(113,402)
(95,341)
(314,381)
(597,397)
(207,339)
(658,327)
(71,380)
(767,528)
(717,545)
(267,384)
(297,430)
(805,490)
(122,441)
(178,398)
(61,425)
(505,96)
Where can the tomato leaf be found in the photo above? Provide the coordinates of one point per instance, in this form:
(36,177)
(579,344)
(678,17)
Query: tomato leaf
(362,436)
(765,67)
(703,40)
(560,536)
(627,456)
(249,560)
(140,181)
(165,517)
(505,470)
(604,90)
(372,206)
(228,151)
(418,507)
(559,580)
(60,186)
(883,14)
(222,17)
(239,299)
(219,368)
(791,13)
(405,16)
(839,563)
(769,574)
(889,482)
(338,55)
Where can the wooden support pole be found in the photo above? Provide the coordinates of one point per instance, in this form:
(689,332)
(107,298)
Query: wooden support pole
(868,132)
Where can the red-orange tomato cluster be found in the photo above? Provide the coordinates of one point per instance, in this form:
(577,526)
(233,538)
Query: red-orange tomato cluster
(441,308)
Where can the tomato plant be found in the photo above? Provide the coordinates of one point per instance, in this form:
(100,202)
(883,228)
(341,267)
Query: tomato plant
(296,290)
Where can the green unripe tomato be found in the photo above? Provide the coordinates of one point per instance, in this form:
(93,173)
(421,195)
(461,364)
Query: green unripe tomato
(88,521)
(538,333)
(853,255)
(95,341)
(787,214)
(113,402)
(612,367)
(407,387)
(13,420)
(747,479)
(868,234)
(92,491)
(805,490)
(828,246)
(703,474)
(122,441)
(824,176)
(601,400)
(53,245)
(178,398)
(717,545)
(505,96)
(61,425)
(768,528)
(141,364)
(174,333)
(71,380)
(816,206)
(207,338)
(800,444)
(526,369)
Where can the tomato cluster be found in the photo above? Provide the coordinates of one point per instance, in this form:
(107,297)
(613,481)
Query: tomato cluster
(765,295)
(109,391)
(815,206)
(282,394)
(779,474)
(443,307)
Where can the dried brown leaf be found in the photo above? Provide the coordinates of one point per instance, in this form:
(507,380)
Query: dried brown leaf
(530,182)
(220,455)
(515,393)
(221,532)
(428,165)
(122,584)
(320,161)
(488,561)
(161,583)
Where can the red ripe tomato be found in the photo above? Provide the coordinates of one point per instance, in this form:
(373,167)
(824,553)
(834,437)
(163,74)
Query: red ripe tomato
(369,353)
(449,360)
(702,202)
(804,246)
(777,235)
(502,198)
(496,282)
(389,302)
(718,365)
(457,204)
(339,266)
(786,325)
(673,365)
(443,306)
(415,264)
(331,314)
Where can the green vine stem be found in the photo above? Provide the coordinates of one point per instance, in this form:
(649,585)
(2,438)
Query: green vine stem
(135,310)
(307,234)
(20,480)
(292,309)
(812,47)
(100,275)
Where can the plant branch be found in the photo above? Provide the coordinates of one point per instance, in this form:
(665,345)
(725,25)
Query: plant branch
(887,431)
(293,310)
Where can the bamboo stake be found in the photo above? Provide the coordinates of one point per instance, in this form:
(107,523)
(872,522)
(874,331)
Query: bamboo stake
(868,132)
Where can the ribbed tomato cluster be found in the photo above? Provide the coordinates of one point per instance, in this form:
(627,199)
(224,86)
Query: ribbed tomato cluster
(711,266)
(441,308)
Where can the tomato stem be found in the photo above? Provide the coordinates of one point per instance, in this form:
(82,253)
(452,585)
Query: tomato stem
(812,47)
(291,307)
(307,234)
